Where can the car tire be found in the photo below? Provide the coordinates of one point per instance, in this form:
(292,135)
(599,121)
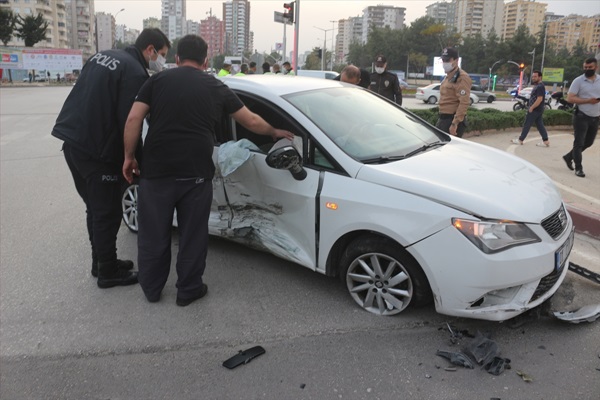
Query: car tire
(382,277)
(129,206)
(471,100)
(490,99)
(431,100)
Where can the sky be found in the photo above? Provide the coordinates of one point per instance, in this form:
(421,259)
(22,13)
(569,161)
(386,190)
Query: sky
(314,14)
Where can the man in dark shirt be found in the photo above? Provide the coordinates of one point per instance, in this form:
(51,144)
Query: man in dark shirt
(185,104)
(384,82)
(535,111)
(91,125)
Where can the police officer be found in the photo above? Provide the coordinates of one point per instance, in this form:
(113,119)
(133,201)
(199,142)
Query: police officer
(91,124)
(384,82)
(455,95)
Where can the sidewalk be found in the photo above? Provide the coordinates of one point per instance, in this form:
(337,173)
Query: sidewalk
(582,195)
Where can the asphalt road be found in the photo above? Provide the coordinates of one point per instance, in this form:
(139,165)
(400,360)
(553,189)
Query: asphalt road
(63,338)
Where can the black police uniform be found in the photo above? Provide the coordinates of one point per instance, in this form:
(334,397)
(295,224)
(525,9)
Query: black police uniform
(387,85)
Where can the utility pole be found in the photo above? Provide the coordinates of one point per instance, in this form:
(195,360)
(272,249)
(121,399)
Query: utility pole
(324,56)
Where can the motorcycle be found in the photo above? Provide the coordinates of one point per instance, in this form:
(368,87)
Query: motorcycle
(561,102)
(522,103)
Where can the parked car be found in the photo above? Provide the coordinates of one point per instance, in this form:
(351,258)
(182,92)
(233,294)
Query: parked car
(37,78)
(431,94)
(317,74)
(403,213)
(483,94)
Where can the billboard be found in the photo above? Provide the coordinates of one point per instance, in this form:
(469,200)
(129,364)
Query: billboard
(43,59)
(553,75)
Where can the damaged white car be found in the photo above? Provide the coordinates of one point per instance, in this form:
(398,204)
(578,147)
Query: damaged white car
(403,213)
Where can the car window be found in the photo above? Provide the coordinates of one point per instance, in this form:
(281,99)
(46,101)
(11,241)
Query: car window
(363,125)
(476,88)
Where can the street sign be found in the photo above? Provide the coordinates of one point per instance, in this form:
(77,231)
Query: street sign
(278,17)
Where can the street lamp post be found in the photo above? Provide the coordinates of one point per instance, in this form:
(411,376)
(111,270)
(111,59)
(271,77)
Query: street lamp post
(115,35)
(532,62)
(332,46)
(544,50)
(491,68)
(324,54)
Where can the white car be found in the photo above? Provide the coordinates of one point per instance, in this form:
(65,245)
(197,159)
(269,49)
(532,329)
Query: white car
(430,94)
(403,213)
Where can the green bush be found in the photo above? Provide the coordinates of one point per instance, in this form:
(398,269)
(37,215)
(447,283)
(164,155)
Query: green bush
(491,118)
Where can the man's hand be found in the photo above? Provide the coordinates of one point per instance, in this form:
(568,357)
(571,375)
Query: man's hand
(281,133)
(452,129)
(130,168)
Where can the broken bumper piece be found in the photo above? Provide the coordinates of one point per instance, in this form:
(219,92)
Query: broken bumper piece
(588,313)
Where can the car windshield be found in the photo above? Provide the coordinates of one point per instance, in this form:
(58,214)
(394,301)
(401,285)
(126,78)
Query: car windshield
(364,126)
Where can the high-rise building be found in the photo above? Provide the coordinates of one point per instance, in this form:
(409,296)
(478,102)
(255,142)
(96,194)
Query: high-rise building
(349,31)
(236,15)
(212,30)
(567,31)
(173,21)
(442,12)
(81,29)
(105,31)
(53,12)
(523,12)
(151,23)
(479,16)
(192,27)
(382,17)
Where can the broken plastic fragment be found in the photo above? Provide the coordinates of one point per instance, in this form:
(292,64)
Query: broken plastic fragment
(456,358)
(588,313)
(482,349)
(498,365)
(525,377)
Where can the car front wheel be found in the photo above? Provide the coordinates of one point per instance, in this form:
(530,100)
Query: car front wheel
(129,206)
(432,100)
(490,99)
(381,277)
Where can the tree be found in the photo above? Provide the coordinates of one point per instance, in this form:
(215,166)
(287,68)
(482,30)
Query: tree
(8,23)
(32,29)
(313,61)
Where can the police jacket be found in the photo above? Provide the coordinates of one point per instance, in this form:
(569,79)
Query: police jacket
(387,85)
(93,117)
(455,92)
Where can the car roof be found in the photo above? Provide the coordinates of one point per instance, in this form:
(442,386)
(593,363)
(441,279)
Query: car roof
(279,85)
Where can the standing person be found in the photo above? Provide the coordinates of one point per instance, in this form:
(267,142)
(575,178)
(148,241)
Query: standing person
(276,69)
(48,74)
(585,93)
(287,68)
(226,70)
(184,104)
(243,70)
(252,68)
(30,76)
(91,125)
(535,111)
(455,95)
(384,82)
(266,67)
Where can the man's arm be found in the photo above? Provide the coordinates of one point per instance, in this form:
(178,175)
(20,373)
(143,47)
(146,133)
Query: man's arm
(256,124)
(540,97)
(133,127)
(573,98)
(397,91)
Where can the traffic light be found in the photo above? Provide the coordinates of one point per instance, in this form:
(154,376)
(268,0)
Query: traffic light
(289,11)
(320,53)
(521,66)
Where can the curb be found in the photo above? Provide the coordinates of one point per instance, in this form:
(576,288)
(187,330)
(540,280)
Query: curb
(585,222)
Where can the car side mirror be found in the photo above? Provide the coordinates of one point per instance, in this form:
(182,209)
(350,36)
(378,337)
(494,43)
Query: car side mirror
(284,156)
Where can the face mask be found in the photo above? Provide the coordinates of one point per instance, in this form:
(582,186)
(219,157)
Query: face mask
(589,73)
(379,70)
(158,64)
(447,67)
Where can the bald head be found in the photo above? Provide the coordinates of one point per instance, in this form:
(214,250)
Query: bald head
(350,74)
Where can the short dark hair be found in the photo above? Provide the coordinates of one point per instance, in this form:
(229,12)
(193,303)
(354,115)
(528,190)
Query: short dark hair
(193,48)
(287,63)
(154,37)
(266,67)
(252,64)
(244,68)
(535,71)
(591,60)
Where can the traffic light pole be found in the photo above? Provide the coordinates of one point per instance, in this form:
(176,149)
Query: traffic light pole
(296,36)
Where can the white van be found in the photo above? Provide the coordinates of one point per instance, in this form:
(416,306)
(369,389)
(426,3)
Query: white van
(317,74)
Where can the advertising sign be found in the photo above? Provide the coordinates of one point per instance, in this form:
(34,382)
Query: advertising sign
(553,74)
(42,59)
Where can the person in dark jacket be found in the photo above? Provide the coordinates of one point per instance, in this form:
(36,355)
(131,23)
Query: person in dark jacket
(384,82)
(91,124)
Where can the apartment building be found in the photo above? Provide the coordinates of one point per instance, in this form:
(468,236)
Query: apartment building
(81,30)
(151,23)
(53,12)
(442,12)
(479,16)
(212,30)
(236,16)
(349,31)
(173,21)
(567,31)
(523,12)
(105,31)
(382,17)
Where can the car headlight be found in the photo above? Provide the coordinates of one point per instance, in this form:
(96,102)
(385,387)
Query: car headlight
(494,236)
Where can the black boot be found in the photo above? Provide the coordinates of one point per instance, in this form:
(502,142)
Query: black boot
(125,265)
(109,275)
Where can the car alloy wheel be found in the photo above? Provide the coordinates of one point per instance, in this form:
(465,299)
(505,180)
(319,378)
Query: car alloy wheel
(382,278)
(129,205)
(432,100)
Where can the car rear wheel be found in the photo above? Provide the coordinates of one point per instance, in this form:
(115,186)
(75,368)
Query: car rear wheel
(490,99)
(472,101)
(431,100)
(381,276)
(129,206)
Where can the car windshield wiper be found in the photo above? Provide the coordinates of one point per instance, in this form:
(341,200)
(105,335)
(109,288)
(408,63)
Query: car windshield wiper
(423,148)
(382,159)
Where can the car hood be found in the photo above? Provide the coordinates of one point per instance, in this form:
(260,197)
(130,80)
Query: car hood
(474,178)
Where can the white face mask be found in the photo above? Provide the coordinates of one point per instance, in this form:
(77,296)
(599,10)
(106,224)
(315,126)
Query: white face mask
(158,64)
(379,70)
(447,67)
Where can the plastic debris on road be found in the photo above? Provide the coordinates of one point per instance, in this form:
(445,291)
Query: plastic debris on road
(588,313)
